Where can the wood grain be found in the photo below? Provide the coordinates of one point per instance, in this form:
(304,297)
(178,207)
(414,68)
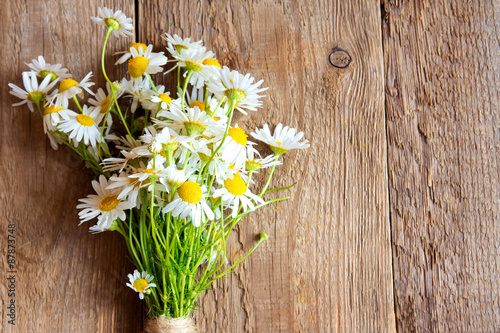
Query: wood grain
(67,279)
(442,94)
(327,266)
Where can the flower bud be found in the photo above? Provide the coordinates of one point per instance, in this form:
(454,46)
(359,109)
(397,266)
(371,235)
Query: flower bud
(116,86)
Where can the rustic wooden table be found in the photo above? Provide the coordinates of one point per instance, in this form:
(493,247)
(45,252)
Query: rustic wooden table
(394,223)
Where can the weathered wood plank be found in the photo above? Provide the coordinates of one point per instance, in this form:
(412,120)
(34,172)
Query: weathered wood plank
(67,279)
(327,266)
(442,88)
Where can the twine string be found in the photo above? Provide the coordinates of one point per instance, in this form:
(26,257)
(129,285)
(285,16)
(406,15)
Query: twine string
(164,324)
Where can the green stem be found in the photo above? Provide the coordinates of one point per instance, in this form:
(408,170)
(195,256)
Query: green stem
(236,263)
(152,83)
(205,166)
(268,178)
(102,56)
(178,78)
(77,103)
(113,92)
(186,81)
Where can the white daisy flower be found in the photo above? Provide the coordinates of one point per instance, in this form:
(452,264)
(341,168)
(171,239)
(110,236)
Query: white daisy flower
(117,21)
(152,140)
(201,63)
(238,88)
(234,148)
(126,143)
(119,163)
(69,88)
(158,143)
(136,89)
(102,102)
(42,69)
(141,282)
(33,92)
(127,54)
(210,72)
(141,176)
(213,108)
(145,61)
(202,150)
(283,139)
(52,116)
(254,161)
(162,99)
(190,201)
(235,190)
(176,44)
(130,186)
(155,101)
(220,168)
(82,126)
(191,122)
(105,205)
(173,178)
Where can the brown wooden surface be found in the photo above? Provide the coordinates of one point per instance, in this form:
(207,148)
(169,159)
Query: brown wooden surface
(442,67)
(390,228)
(67,279)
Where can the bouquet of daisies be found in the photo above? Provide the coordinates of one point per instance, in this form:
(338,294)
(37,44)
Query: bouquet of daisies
(173,175)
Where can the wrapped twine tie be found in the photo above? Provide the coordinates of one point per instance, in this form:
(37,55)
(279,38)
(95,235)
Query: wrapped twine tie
(164,324)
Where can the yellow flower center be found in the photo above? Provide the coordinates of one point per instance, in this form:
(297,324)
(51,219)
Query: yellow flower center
(238,135)
(199,104)
(211,62)
(109,203)
(193,66)
(105,104)
(137,66)
(190,192)
(137,45)
(165,98)
(51,109)
(85,120)
(66,84)
(140,285)
(236,186)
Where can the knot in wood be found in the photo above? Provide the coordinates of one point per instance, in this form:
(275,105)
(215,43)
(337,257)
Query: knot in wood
(339,58)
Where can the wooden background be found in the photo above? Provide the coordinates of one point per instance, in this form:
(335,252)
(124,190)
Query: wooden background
(394,223)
